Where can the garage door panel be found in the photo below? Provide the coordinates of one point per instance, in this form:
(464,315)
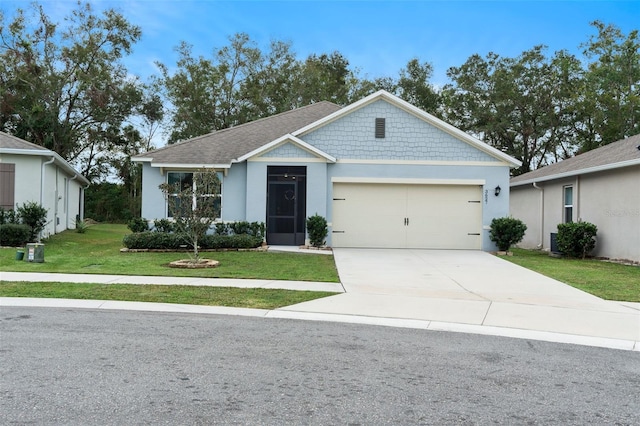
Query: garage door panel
(444,217)
(412,216)
(368,216)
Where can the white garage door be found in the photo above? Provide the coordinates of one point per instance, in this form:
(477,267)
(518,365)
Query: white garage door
(407,216)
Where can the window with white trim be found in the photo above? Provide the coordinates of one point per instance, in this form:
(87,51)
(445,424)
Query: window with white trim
(185,180)
(568,203)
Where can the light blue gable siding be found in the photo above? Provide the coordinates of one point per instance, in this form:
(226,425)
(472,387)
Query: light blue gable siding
(407,138)
(288,150)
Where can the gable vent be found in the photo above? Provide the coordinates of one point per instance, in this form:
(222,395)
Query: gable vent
(380,127)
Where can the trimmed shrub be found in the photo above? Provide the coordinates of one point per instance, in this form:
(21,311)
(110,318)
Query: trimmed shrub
(243,241)
(255,229)
(138,224)
(222,228)
(576,239)
(14,235)
(33,215)
(8,216)
(506,231)
(163,225)
(164,241)
(153,240)
(317,229)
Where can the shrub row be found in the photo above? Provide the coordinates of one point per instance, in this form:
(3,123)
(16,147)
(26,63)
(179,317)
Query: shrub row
(14,235)
(166,241)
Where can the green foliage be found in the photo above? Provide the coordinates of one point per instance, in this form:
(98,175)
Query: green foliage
(506,231)
(242,241)
(317,229)
(519,105)
(576,239)
(166,241)
(65,86)
(163,225)
(111,202)
(256,229)
(14,235)
(8,216)
(34,215)
(81,226)
(222,228)
(138,225)
(610,98)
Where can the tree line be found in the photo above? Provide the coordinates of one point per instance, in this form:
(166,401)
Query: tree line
(65,86)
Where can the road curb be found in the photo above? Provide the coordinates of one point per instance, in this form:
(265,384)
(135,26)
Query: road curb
(602,342)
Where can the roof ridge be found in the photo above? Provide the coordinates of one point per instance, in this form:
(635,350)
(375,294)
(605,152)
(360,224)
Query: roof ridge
(603,153)
(248,123)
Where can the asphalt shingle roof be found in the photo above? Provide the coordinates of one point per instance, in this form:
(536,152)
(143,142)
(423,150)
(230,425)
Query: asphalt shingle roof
(11,142)
(617,152)
(223,146)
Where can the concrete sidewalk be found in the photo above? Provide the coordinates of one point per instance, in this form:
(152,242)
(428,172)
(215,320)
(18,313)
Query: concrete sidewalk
(157,280)
(459,291)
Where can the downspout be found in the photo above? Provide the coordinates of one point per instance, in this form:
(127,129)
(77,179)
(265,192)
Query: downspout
(66,201)
(42,188)
(84,188)
(576,201)
(541,244)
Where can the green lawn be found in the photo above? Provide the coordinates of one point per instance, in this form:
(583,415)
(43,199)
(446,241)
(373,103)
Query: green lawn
(607,280)
(97,252)
(257,298)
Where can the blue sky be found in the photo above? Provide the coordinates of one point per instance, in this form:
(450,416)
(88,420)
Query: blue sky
(378,37)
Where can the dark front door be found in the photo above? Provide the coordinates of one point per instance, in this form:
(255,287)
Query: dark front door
(286,205)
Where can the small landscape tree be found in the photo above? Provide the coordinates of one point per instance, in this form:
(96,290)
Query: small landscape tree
(193,206)
(506,231)
(35,216)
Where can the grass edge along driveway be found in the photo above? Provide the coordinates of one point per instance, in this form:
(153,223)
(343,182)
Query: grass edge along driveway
(607,280)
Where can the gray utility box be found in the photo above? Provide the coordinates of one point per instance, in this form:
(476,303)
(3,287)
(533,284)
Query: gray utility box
(34,253)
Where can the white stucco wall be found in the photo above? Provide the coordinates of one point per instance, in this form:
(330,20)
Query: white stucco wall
(612,202)
(60,194)
(609,199)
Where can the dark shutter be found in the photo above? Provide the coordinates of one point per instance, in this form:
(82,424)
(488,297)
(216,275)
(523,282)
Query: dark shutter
(380,127)
(7,185)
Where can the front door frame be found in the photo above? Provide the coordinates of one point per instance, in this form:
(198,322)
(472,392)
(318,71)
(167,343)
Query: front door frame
(286,214)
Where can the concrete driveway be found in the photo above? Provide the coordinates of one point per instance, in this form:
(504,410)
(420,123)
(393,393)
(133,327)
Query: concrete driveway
(468,287)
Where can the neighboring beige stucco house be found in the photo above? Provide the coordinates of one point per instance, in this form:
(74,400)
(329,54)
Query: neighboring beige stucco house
(30,172)
(600,186)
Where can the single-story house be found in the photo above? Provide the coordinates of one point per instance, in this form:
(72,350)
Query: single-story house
(32,173)
(381,171)
(601,186)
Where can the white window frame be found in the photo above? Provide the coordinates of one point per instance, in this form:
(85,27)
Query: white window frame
(565,205)
(194,199)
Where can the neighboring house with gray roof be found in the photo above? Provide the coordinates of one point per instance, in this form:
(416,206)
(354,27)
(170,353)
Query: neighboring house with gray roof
(381,171)
(601,186)
(32,173)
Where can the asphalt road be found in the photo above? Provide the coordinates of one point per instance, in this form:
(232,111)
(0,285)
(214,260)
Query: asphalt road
(71,366)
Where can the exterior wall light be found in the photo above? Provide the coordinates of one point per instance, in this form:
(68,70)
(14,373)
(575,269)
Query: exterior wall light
(497,190)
